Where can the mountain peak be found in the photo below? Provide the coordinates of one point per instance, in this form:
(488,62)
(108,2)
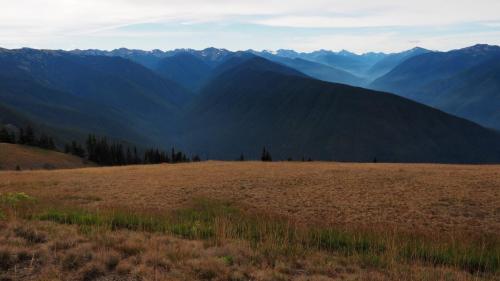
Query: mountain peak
(286,53)
(346,53)
(261,64)
(417,49)
(213,52)
(480,48)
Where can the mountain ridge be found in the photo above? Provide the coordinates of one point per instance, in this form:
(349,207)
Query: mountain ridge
(296,116)
(430,77)
(243,103)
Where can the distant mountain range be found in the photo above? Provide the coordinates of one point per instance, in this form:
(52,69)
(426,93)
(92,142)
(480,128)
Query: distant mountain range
(317,70)
(219,103)
(340,67)
(296,116)
(78,94)
(463,82)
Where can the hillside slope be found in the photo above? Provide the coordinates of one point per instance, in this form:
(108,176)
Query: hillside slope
(250,106)
(33,158)
(463,82)
(184,68)
(90,94)
(473,94)
(391,61)
(343,60)
(317,70)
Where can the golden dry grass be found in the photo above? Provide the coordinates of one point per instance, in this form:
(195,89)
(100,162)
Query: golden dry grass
(49,251)
(435,201)
(27,158)
(423,197)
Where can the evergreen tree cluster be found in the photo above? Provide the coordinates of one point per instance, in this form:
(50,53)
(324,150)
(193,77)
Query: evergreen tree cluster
(109,153)
(155,156)
(266,156)
(6,136)
(103,152)
(75,149)
(27,136)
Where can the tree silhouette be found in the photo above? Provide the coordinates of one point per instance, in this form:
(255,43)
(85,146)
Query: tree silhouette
(5,136)
(266,156)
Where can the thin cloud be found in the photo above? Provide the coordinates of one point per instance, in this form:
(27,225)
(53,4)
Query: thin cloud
(82,21)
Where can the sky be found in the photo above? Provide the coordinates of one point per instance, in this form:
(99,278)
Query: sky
(303,25)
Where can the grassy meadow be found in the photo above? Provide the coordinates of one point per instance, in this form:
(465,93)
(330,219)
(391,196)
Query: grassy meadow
(252,221)
(23,157)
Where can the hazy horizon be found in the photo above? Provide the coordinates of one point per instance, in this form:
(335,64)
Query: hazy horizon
(241,50)
(358,26)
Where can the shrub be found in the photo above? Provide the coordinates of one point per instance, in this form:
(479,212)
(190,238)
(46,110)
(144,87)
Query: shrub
(92,272)
(111,262)
(130,249)
(206,273)
(6,259)
(123,267)
(30,235)
(13,199)
(228,260)
(23,256)
(76,259)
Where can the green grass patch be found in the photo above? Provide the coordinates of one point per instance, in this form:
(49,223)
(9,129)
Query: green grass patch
(345,242)
(480,256)
(11,203)
(217,221)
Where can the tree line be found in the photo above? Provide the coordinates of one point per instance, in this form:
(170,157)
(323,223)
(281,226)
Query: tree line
(265,156)
(96,149)
(27,136)
(105,152)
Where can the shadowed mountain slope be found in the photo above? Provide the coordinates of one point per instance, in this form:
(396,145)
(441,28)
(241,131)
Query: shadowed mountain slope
(245,102)
(250,106)
(464,82)
(90,94)
(316,70)
(389,62)
(184,68)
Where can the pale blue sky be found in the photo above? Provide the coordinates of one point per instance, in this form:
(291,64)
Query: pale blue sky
(356,25)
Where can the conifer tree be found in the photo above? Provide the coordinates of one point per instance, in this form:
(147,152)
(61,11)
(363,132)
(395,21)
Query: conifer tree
(266,156)
(22,138)
(29,136)
(45,142)
(5,136)
(129,160)
(137,160)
